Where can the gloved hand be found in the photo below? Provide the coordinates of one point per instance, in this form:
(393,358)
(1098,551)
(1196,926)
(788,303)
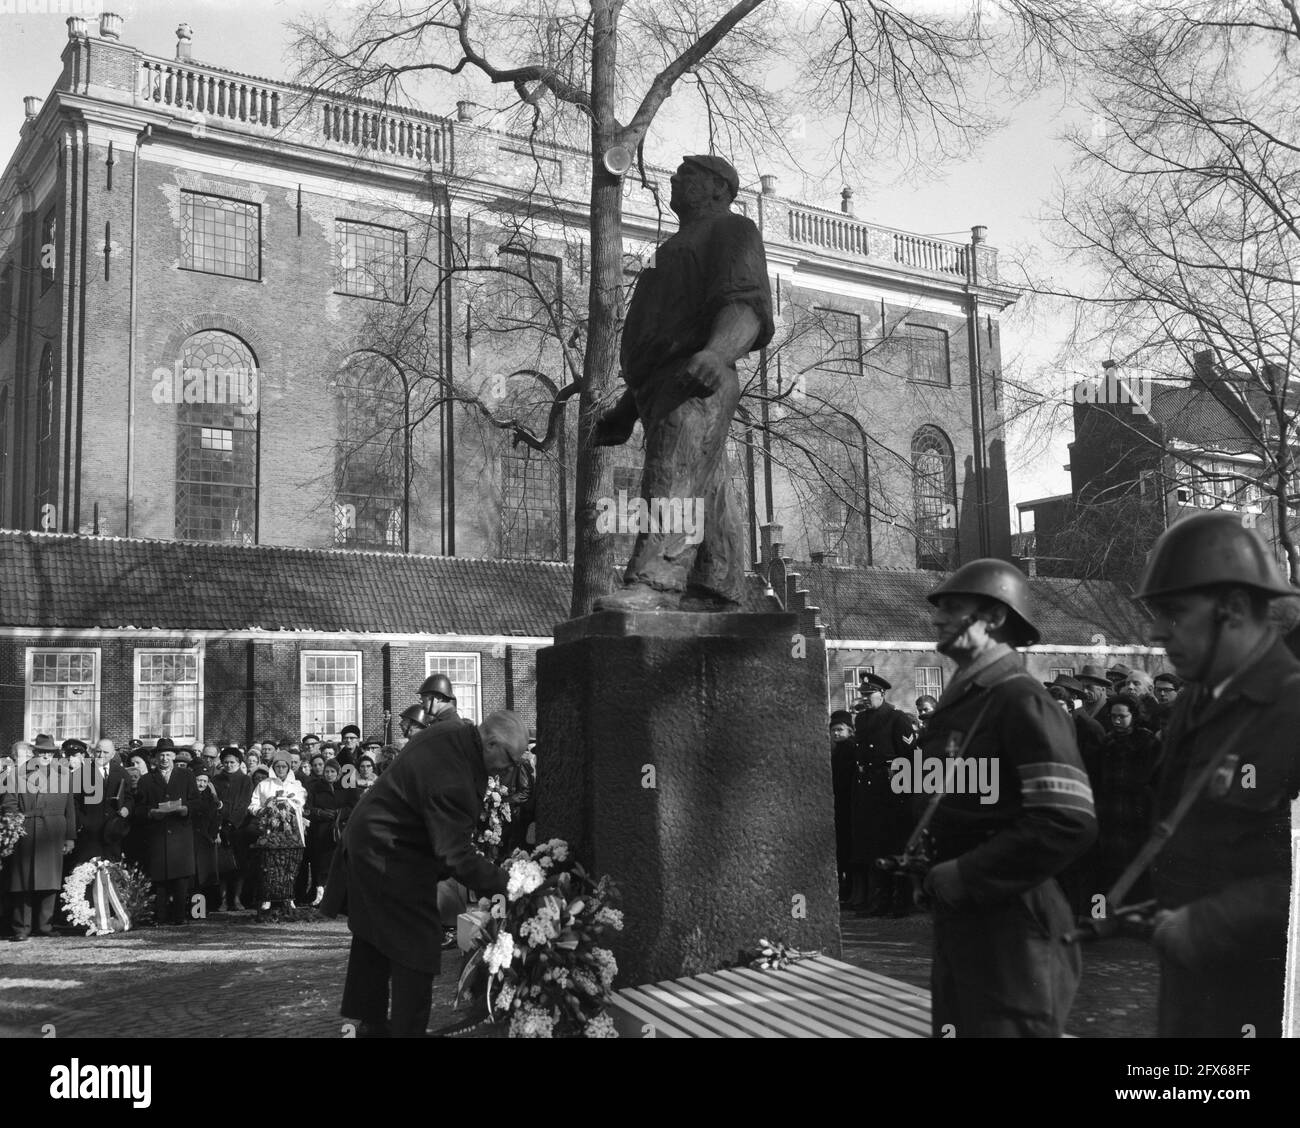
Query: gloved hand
(944,885)
(1172,937)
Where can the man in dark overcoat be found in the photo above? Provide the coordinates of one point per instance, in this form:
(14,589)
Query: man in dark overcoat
(412,829)
(44,797)
(164,800)
(1223,880)
(103,796)
(881,815)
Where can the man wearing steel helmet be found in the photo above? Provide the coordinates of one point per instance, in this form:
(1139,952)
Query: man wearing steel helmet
(439,702)
(1000,968)
(703,305)
(1222,880)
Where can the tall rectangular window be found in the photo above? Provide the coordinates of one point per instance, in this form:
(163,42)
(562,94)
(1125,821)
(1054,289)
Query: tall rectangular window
(530,512)
(62,693)
(6,299)
(837,337)
(929,681)
(372,261)
(221,236)
(527,288)
(49,249)
(927,350)
(853,676)
(169,693)
(330,691)
(464,673)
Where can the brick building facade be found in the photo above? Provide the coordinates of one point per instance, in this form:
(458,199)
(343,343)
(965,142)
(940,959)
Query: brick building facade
(373,274)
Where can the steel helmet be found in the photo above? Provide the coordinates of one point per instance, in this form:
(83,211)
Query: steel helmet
(438,684)
(995,579)
(1207,549)
(416,715)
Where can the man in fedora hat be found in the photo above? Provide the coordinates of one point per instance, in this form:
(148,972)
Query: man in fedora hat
(881,815)
(705,303)
(164,799)
(1097,690)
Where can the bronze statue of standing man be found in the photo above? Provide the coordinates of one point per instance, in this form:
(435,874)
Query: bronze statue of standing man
(703,305)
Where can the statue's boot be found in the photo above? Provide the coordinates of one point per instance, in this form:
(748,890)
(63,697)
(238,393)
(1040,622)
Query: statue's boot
(639,597)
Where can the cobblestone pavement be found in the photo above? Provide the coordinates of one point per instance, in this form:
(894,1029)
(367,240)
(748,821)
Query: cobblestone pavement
(228,977)
(1117,994)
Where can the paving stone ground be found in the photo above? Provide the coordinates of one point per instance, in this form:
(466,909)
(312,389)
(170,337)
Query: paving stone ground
(229,977)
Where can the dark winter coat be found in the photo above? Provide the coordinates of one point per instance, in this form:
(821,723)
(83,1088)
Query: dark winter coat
(92,816)
(49,813)
(170,839)
(881,816)
(1229,861)
(413,828)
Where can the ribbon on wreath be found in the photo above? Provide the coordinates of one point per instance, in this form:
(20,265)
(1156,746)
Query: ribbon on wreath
(110,913)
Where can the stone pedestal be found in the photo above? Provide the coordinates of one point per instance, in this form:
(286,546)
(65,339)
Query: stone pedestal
(686,756)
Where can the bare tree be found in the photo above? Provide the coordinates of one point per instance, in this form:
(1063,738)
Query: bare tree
(897,81)
(1182,220)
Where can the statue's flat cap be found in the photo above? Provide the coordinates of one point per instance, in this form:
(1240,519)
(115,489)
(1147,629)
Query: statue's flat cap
(723,169)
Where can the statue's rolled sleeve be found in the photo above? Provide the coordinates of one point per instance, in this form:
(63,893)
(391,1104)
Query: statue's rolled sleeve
(737,274)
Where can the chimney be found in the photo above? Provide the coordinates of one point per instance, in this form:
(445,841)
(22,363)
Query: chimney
(768,181)
(110,26)
(464,111)
(846,200)
(184,39)
(979,233)
(828,558)
(31,106)
(76,27)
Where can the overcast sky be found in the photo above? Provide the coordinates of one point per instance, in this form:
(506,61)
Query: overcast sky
(1004,185)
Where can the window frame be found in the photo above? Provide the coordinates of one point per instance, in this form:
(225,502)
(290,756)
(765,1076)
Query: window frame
(929,333)
(29,663)
(922,691)
(187,237)
(137,718)
(341,269)
(318,725)
(838,366)
(431,656)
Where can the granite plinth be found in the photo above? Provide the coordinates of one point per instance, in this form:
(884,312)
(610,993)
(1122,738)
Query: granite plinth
(693,768)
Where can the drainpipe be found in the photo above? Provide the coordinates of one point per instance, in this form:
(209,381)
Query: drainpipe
(146,134)
(977,396)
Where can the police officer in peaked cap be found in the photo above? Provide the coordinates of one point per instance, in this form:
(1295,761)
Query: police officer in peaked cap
(1019,814)
(1223,878)
(880,814)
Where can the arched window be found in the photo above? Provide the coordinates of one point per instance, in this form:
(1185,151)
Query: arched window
(934,489)
(370,455)
(216,440)
(46,463)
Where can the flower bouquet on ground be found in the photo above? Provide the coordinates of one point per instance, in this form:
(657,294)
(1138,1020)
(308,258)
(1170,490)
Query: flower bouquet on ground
(536,960)
(102,897)
(493,816)
(279,845)
(12,827)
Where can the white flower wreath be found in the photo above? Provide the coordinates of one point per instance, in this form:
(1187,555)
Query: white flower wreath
(75,902)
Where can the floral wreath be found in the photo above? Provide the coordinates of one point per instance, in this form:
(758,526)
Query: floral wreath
(125,883)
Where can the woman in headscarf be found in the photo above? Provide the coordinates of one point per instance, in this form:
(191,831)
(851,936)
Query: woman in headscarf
(205,817)
(328,805)
(365,777)
(135,846)
(281,784)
